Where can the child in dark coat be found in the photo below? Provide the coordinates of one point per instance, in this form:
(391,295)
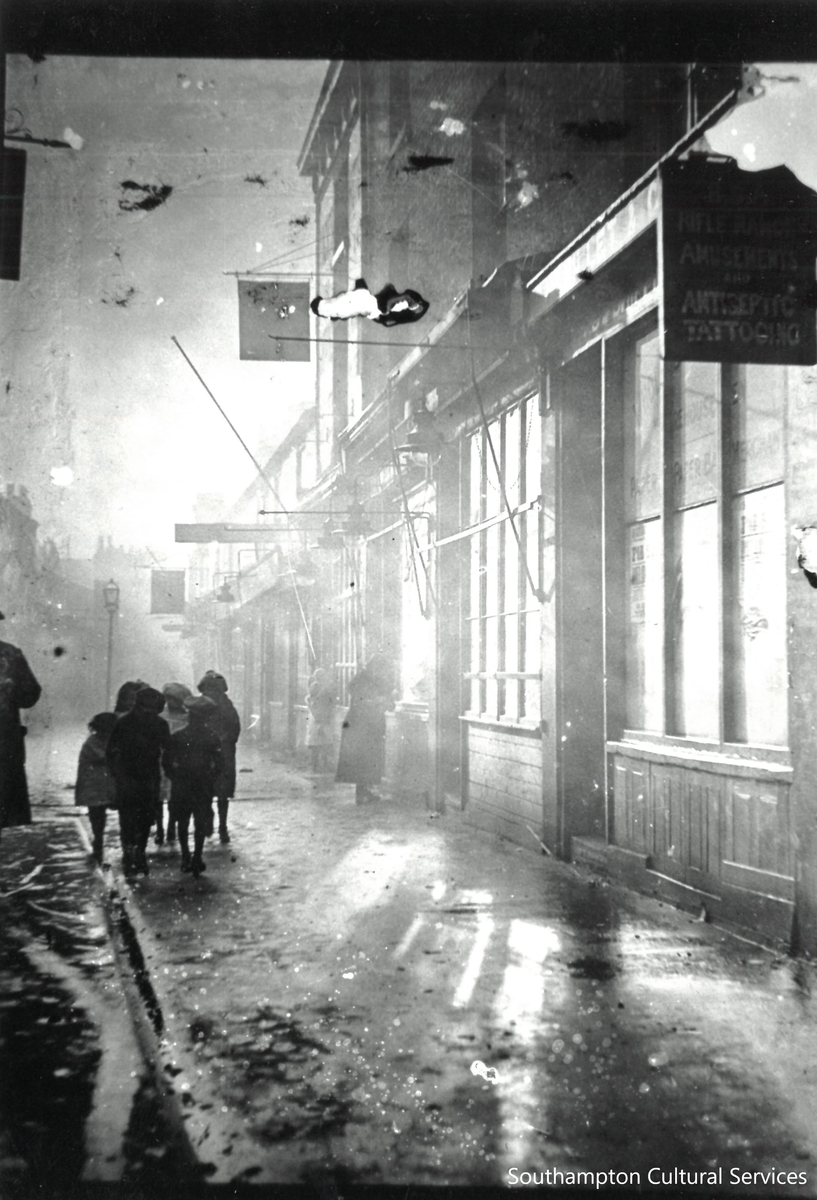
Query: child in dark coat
(95,788)
(134,756)
(226,723)
(175,714)
(193,761)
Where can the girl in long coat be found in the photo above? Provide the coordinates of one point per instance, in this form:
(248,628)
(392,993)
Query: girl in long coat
(363,734)
(227,724)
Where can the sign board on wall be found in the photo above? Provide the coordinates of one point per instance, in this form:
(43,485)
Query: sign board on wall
(739,252)
(273,320)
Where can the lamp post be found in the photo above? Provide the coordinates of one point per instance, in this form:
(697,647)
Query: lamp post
(110,595)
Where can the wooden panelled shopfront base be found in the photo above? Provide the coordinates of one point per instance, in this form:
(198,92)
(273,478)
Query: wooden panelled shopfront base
(713,835)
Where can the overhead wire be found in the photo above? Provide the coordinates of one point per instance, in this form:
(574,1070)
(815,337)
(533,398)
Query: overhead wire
(535,589)
(269,484)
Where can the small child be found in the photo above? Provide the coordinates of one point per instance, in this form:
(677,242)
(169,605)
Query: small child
(175,714)
(193,761)
(95,787)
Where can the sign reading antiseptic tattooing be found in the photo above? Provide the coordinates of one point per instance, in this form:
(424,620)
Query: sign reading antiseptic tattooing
(739,253)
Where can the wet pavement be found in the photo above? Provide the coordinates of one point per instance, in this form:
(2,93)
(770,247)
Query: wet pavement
(373,995)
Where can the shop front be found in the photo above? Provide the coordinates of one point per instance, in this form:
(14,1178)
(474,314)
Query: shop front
(677,337)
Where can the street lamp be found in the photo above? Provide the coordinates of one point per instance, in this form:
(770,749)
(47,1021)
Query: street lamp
(110,596)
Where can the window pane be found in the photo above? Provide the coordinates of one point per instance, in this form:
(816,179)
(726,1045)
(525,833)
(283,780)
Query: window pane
(645,608)
(757,426)
(512,461)
(493,499)
(695,431)
(476,480)
(491,567)
(760,637)
(476,576)
(476,642)
(529,533)
(533,653)
(642,428)
(491,665)
(533,449)
(696,605)
(533,699)
(511,601)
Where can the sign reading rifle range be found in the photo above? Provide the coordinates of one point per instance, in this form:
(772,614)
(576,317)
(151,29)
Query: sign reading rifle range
(739,253)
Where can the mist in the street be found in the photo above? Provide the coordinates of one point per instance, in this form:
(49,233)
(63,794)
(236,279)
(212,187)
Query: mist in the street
(407,576)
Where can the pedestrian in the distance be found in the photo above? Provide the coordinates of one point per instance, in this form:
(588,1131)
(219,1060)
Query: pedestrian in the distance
(175,714)
(363,733)
(193,762)
(320,733)
(134,755)
(226,723)
(18,689)
(95,788)
(386,307)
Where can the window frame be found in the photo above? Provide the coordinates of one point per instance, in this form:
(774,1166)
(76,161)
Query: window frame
(728,497)
(502,689)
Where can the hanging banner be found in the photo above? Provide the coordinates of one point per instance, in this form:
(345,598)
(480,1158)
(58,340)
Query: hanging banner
(167,591)
(739,250)
(273,320)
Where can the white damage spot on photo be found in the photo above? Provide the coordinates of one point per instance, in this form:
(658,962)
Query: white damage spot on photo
(489,1073)
(451,127)
(62,476)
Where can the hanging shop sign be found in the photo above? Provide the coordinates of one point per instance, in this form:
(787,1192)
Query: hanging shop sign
(273,320)
(739,252)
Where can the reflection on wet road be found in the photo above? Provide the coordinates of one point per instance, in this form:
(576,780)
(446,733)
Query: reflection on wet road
(330,983)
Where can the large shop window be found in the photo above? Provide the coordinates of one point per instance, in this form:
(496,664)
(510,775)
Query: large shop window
(504,614)
(705,654)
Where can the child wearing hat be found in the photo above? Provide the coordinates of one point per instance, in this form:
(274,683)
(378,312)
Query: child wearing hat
(193,762)
(134,756)
(95,788)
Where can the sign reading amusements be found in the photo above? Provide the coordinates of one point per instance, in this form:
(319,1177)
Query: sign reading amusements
(739,252)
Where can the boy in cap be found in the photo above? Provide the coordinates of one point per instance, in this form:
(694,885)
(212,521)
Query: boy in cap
(134,755)
(193,762)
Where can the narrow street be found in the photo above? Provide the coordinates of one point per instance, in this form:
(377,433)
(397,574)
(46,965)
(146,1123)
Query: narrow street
(328,987)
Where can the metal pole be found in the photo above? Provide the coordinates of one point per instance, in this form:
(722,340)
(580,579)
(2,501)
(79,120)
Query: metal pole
(110,658)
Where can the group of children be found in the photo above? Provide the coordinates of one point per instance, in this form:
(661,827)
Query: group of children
(123,761)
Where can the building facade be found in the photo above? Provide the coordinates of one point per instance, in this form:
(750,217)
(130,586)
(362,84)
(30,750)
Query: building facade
(573,542)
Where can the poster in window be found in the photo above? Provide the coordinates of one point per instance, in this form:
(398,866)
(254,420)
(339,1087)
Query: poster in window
(273,320)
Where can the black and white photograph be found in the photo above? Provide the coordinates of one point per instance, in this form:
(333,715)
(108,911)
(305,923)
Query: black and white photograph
(408,600)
